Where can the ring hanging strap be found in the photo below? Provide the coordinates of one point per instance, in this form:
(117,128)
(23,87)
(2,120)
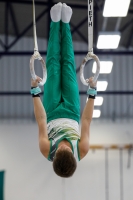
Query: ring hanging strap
(90,25)
(90,54)
(34,29)
(36,54)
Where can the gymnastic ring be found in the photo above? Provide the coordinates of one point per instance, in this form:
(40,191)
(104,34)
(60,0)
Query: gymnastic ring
(37,56)
(89,56)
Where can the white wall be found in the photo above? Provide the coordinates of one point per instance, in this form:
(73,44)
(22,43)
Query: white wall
(29,176)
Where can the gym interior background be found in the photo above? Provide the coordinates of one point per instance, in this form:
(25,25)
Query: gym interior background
(106,172)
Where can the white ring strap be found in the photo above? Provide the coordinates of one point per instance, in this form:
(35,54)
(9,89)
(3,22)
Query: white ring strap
(37,55)
(90,54)
(90,25)
(34,28)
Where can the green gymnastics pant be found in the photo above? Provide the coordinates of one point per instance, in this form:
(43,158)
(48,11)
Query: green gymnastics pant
(61,94)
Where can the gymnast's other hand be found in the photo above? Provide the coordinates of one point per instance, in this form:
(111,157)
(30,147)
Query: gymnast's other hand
(92,83)
(34,83)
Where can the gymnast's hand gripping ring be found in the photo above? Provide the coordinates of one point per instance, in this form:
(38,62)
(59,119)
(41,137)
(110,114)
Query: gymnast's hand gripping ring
(37,56)
(89,56)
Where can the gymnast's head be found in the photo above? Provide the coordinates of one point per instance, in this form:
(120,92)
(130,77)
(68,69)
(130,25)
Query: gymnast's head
(64,163)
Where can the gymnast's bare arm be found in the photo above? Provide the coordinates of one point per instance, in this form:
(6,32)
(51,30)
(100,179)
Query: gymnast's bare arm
(85,124)
(41,119)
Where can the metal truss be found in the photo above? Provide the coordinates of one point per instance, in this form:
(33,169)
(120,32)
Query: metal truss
(97,52)
(13,93)
(75,29)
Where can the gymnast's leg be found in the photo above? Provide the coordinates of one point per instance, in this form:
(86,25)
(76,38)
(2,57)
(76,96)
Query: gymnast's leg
(70,91)
(52,88)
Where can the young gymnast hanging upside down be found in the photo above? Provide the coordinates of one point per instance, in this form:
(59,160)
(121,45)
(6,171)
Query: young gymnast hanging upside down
(58,117)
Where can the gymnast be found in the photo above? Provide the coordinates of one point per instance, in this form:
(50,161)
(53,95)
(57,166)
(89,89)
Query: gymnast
(60,140)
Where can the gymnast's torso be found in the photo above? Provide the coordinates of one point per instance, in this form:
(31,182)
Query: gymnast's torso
(63,129)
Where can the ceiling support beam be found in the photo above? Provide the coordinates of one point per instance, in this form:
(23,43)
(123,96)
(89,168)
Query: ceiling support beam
(9,93)
(28,53)
(6,24)
(2,44)
(49,2)
(15,25)
(126,25)
(118,23)
(26,29)
(78,6)
(75,29)
(110,93)
(26,2)
(104,25)
(79,33)
(80,24)
(130,38)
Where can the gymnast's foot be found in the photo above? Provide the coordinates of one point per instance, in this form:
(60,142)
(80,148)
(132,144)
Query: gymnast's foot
(66,13)
(55,12)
